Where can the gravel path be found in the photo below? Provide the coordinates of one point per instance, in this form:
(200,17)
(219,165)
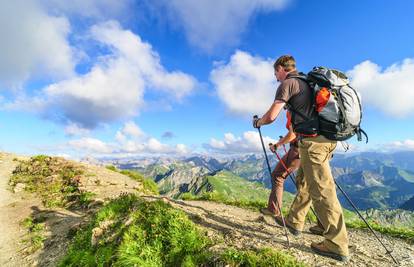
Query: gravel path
(243,228)
(14,208)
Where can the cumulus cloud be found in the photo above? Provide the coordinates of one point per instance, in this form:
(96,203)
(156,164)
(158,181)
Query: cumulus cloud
(34,44)
(131,129)
(122,147)
(208,23)
(346,147)
(389,89)
(407,144)
(249,142)
(246,84)
(129,140)
(114,87)
(73,129)
(91,145)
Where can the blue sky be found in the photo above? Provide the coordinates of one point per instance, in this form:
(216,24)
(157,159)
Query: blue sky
(130,78)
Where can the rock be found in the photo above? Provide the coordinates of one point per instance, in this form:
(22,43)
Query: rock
(19,187)
(96,234)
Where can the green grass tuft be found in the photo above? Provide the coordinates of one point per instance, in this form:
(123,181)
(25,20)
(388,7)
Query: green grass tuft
(54,179)
(111,167)
(139,233)
(36,233)
(157,235)
(260,258)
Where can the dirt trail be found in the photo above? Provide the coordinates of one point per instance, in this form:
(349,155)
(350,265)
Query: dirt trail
(14,208)
(243,228)
(59,222)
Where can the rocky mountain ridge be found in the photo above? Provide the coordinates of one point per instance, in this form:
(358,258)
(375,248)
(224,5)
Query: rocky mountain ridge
(373,180)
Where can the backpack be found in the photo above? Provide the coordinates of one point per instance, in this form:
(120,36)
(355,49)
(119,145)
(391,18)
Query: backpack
(337,104)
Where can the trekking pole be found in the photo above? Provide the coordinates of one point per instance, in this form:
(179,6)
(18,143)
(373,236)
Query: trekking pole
(270,173)
(359,214)
(291,178)
(294,179)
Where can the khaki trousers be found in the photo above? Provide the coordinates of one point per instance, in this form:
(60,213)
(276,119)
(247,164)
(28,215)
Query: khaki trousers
(316,184)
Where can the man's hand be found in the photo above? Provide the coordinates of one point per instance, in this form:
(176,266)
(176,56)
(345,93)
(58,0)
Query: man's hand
(256,122)
(274,147)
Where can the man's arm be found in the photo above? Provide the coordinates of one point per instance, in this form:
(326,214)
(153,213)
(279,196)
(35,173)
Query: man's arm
(271,115)
(290,136)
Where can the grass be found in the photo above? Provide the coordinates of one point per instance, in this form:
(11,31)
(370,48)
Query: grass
(144,233)
(220,198)
(231,189)
(148,184)
(54,179)
(261,258)
(36,233)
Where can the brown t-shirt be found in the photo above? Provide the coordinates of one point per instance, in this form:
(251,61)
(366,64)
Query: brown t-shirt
(298,95)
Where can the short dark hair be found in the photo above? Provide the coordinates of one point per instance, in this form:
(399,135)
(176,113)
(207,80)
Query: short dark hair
(287,62)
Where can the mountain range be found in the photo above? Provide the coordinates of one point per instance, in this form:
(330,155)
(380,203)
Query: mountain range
(372,180)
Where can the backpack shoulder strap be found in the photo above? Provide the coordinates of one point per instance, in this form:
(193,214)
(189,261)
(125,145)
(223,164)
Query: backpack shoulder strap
(301,76)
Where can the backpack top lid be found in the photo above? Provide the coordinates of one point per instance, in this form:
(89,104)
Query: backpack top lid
(328,77)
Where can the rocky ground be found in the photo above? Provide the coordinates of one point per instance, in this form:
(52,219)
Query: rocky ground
(230,226)
(243,228)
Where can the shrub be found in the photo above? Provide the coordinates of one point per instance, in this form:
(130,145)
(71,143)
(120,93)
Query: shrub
(55,180)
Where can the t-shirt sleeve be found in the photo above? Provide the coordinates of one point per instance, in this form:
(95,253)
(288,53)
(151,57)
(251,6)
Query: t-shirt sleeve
(286,90)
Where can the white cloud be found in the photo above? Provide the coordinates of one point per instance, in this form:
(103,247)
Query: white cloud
(74,129)
(407,144)
(212,23)
(130,139)
(249,142)
(33,44)
(90,145)
(131,129)
(88,8)
(246,84)
(346,147)
(150,146)
(114,87)
(390,90)
(144,60)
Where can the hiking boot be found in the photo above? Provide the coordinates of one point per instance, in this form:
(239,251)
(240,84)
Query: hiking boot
(321,249)
(316,230)
(291,229)
(267,212)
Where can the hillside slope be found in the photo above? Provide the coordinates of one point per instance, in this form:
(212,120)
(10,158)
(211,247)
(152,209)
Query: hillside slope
(233,227)
(22,212)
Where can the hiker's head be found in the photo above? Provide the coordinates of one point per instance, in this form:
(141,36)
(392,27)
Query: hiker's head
(283,65)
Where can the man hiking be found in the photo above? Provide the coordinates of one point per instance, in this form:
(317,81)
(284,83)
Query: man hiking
(287,165)
(314,178)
